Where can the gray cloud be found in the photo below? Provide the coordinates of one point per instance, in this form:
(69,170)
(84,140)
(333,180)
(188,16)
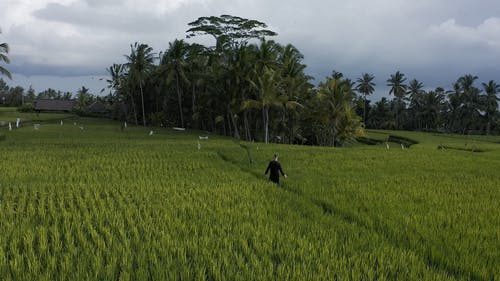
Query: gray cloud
(434,41)
(101,19)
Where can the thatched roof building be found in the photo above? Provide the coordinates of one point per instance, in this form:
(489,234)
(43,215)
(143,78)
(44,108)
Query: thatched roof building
(97,107)
(54,105)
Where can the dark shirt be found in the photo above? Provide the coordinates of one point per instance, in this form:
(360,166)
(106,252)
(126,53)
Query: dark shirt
(275,168)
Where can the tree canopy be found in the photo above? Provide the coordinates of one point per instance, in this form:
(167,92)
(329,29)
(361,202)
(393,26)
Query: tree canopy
(229,29)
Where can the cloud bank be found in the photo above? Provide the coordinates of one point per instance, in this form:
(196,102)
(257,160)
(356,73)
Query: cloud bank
(433,41)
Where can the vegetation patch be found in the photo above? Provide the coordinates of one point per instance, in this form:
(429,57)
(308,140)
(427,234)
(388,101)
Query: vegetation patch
(470,149)
(125,205)
(402,140)
(368,141)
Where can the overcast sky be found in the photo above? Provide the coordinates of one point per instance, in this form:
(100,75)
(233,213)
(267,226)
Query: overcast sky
(64,44)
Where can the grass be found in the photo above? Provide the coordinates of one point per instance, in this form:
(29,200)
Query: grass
(102,204)
(10,114)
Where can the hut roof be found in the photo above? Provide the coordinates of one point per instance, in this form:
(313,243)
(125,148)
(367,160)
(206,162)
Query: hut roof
(97,107)
(54,105)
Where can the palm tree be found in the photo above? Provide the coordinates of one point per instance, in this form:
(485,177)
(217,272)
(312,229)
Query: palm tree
(470,101)
(365,87)
(269,96)
(335,97)
(174,64)
(454,103)
(415,89)
(4,50)
(244,69)
(432,104)
(381,115)
(238,68)
(197,65)
(416,92)
(398,89)
(295,83)
(116,73)
(466,82)
(267,54)
(83,97)
(140,63)
(491,102)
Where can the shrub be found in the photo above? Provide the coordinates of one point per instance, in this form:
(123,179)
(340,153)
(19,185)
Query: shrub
(27,107)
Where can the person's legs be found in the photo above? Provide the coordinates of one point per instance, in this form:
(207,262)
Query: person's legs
(275,180)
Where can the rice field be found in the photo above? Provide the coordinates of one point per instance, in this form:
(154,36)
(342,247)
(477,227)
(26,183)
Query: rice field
(92,202)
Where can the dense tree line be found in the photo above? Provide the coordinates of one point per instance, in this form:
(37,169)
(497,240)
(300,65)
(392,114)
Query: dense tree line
(253,88)
(246,86)
(465,108)
(17,96)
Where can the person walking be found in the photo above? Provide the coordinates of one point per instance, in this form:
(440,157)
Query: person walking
(274,168)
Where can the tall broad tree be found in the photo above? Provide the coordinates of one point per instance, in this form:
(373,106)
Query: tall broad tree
(399,90)
(229,30)
(139,64)
(4,50)
(365,86)
(231,33)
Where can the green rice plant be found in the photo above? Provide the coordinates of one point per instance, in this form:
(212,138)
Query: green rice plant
(101,204)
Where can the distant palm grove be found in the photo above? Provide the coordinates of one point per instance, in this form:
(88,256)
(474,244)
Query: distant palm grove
(252,88)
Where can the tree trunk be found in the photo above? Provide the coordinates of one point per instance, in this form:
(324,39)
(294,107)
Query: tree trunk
(193,102)
(332,135)
(245,124)
(142,99)
(397,115)
(290,129)
(265,113)
(157,98)
(179,97)
(283,120)
(165,104)
(364,111)
(235,126)
(135,110)
(229,126)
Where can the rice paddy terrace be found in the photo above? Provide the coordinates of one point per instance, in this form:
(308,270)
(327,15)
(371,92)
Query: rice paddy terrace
(87,201)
